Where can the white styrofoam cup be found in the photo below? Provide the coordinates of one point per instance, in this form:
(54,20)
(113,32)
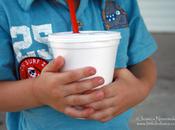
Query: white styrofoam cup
(87,48)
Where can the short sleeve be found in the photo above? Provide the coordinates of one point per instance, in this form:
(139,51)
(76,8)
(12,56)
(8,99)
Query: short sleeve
(141,43)
(7,62)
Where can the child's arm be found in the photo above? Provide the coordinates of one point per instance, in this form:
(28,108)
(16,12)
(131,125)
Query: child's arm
(130,88)
(17,95)
(146,71)
(60,91)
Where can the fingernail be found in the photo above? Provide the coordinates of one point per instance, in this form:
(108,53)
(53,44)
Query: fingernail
(101,81)
(90,111)
(61,60)
(92,71)
(100,94)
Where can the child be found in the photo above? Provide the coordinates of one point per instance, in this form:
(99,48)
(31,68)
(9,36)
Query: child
(39,97)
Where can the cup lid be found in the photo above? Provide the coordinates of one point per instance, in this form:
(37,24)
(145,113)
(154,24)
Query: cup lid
(83,36)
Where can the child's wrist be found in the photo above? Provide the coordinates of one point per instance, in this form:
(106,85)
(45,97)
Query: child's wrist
(33,94)
(145,87)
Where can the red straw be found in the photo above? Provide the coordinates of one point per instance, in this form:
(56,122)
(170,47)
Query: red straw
(73,16)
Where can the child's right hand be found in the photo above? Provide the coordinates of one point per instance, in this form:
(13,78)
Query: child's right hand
(63,90)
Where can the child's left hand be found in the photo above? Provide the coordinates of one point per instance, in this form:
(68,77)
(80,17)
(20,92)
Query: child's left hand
(126,92)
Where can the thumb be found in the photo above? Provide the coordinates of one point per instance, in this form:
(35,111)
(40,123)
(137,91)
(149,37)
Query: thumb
(122,73)
(55,65)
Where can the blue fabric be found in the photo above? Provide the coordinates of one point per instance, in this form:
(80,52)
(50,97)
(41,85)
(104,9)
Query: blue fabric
(24,26)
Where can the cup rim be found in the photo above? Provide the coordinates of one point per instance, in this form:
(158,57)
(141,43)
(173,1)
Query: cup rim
(86,36)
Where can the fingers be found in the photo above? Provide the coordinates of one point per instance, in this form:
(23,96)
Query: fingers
(55,65)
(108,118)
(110,90)
(73,112)
(75,75)
(79,100)
(104,104)
(103,115)
(82,86)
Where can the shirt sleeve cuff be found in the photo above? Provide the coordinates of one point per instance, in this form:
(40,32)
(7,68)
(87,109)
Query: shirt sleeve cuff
(142,54)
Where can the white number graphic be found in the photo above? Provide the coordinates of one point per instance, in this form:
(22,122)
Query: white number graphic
(21,45)
(44,54)
(38,30)
(40,34)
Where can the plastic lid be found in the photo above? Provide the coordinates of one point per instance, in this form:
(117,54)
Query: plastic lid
(83,36)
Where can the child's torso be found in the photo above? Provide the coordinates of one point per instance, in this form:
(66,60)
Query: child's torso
(29,30)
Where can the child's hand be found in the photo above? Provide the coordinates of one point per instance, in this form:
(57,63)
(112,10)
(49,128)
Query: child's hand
(62,91)
(126,92)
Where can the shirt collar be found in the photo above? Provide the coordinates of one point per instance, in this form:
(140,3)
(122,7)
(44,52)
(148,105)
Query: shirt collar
(26,4)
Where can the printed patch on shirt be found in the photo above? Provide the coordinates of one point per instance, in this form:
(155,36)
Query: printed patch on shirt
(114,16)
(31,67)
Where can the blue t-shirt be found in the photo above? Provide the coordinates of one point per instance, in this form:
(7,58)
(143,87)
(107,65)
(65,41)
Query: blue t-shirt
(24,27)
